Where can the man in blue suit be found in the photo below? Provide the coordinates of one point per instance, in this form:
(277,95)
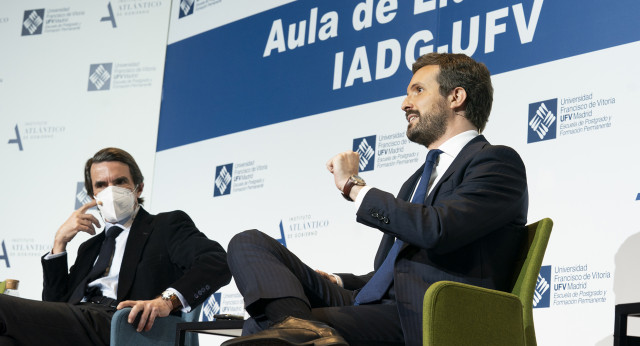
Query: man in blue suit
(462,218)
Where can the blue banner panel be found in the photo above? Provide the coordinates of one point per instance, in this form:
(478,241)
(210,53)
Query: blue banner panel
(309,57)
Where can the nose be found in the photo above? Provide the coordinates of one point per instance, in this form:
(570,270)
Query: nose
(406,104)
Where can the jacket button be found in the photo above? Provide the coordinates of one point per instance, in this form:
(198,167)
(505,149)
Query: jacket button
(374,214)
(385,220)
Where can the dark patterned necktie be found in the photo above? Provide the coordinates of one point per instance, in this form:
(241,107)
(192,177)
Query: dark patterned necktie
(102,264)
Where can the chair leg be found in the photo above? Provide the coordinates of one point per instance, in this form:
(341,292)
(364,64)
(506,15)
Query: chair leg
(180,337)
(620,327)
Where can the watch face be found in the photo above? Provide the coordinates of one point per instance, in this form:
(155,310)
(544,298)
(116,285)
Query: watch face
(357,179)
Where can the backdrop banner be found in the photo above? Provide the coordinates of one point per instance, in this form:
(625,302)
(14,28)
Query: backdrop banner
(232,109)
(253,108)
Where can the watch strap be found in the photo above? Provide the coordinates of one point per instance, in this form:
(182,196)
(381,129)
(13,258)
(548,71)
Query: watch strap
(173,299)
(346,190)
(175,302)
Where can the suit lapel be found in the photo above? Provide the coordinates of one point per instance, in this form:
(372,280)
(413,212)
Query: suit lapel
(88,252)
(387,240)
(470,149)
(407,188)
(138,235)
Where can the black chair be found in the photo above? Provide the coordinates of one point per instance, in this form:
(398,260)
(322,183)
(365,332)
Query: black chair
(620,337)
(220,327)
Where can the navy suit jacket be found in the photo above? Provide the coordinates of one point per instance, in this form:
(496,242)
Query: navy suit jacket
(469,229)
(164,250)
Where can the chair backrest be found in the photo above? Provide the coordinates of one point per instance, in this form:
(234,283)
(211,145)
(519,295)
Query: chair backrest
(525,284)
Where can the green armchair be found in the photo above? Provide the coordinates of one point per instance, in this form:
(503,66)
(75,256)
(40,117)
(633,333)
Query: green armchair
(461,314)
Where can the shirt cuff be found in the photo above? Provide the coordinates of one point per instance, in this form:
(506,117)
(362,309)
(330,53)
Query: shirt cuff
(360,197)
(49,255)
(185,306)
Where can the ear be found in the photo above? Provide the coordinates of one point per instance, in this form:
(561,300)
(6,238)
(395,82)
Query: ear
(457,98)
(140,188)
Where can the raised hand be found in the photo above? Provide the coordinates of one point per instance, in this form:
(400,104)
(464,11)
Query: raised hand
(79,221)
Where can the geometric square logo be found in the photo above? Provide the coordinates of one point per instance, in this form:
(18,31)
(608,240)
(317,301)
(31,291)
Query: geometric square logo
(542,294)
(222,184)
(211,307)
(366,147)
(32,22)
(99,76)
(542,121)
(82,197)
(186,8)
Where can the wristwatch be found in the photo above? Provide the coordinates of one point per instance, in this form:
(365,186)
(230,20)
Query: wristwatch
(173,298)
(353,180)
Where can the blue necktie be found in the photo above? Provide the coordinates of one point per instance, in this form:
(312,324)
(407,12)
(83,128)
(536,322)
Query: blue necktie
(375,288)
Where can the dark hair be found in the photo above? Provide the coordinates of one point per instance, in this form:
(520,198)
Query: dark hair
(459,70)
(113,154)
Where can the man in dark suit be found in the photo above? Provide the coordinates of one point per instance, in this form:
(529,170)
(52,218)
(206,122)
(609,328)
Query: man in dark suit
(460,217)
(156,264)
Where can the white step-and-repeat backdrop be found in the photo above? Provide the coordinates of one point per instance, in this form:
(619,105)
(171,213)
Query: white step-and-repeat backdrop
(232,109)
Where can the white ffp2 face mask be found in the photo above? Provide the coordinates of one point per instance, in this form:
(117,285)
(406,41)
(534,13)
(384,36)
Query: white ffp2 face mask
(117,204)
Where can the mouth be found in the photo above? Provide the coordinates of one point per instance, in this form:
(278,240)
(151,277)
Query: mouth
(412,117)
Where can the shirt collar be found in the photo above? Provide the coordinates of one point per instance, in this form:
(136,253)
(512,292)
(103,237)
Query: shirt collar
(454,145)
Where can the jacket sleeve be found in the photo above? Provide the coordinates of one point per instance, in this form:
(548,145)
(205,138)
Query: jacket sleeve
(202,260)
(55,279)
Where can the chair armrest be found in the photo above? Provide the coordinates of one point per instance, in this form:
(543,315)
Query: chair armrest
(461,314)
(163,331)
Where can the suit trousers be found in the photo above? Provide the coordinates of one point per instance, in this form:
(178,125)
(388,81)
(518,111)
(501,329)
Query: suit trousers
(263,269)
(33,322)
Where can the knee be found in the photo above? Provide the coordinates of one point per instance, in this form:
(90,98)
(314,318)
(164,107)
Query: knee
(242,240)
(243,247)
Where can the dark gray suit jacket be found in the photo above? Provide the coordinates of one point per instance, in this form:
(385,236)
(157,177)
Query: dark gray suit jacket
(164,250)
(469,229)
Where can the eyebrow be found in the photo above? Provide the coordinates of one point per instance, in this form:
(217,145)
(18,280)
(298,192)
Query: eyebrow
(118,180)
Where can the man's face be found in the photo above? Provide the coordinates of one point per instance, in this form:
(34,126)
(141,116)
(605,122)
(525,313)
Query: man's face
(111,173)
(425,108)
